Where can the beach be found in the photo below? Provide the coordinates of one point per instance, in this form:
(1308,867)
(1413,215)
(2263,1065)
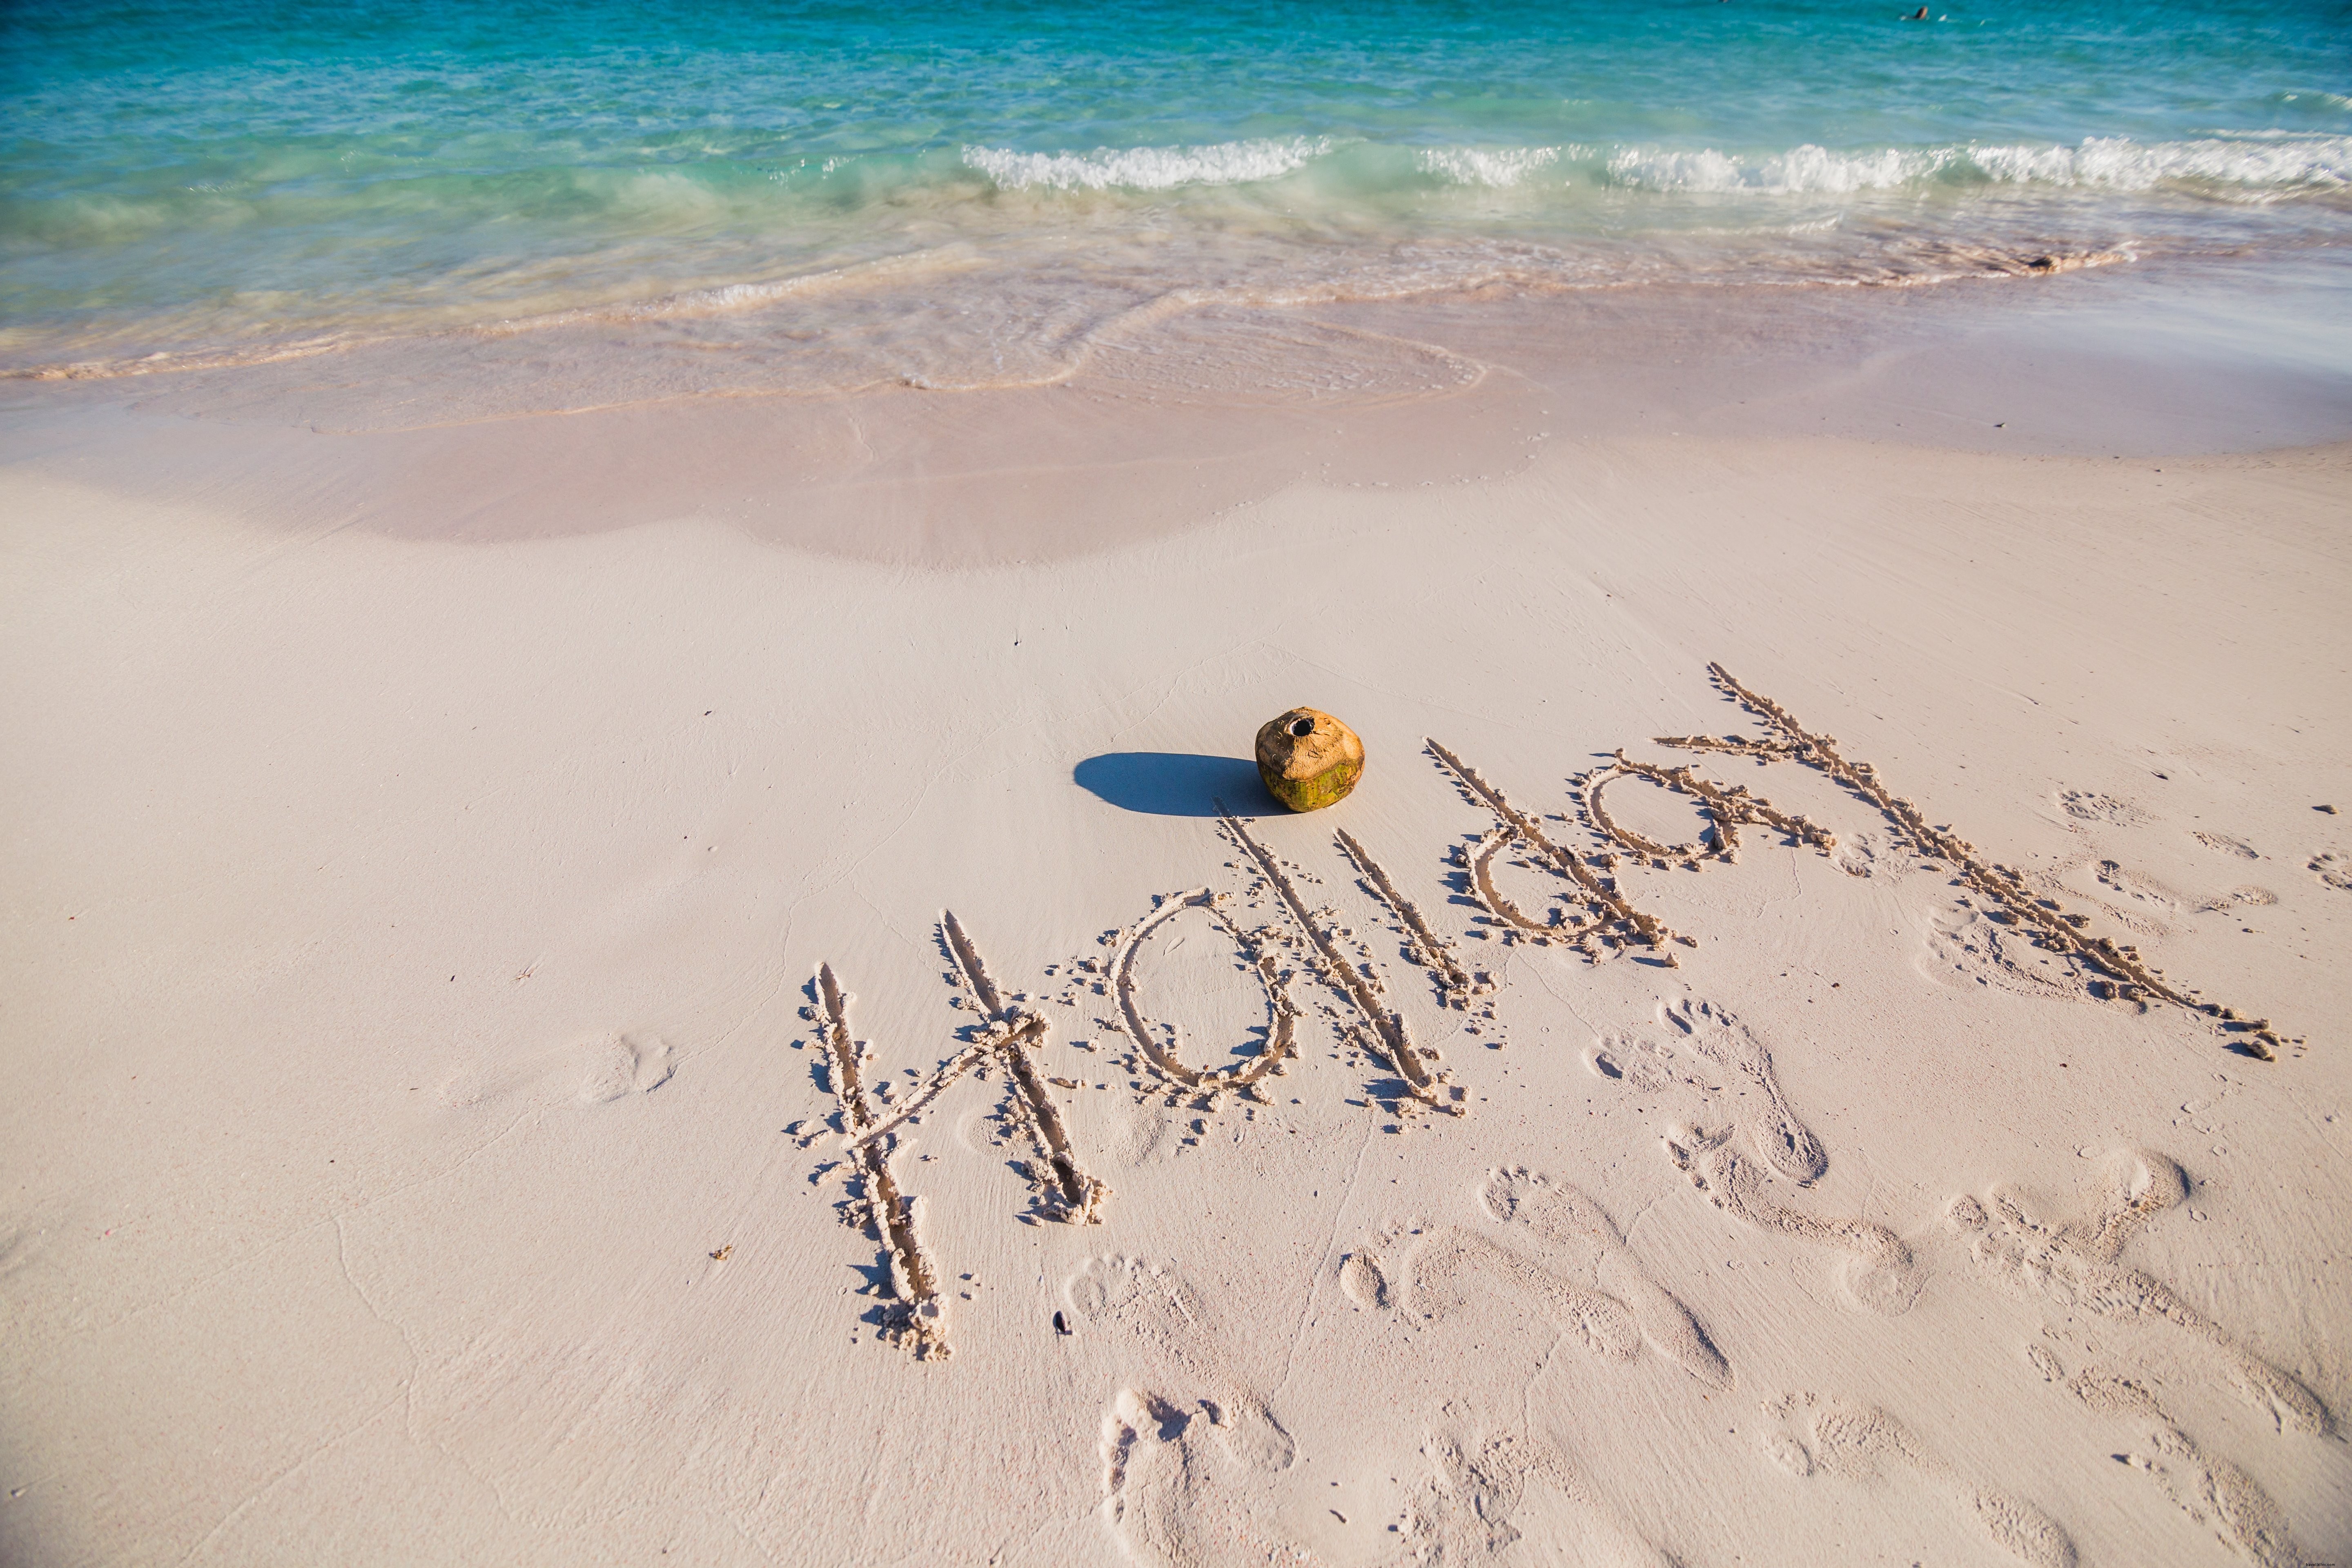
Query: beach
(617,956)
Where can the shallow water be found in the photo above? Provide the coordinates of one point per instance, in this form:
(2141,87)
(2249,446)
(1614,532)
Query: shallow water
(821,198)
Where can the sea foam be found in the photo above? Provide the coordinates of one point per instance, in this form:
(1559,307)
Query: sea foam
(1498,167)
(2115,163)
(2286,165)
(1804,169)
(1147,168)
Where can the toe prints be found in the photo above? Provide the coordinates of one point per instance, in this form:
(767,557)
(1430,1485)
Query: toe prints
(1369,1275)
(1858,1442)
(2139,902)
(1639,1064)
(2089,805)
(1772,1128)
(1365,1280)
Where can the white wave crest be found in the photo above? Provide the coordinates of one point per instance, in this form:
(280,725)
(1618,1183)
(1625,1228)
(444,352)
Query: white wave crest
(1498,167)
(2286,163)
(1147,168)
(2115,163)
(1799,170)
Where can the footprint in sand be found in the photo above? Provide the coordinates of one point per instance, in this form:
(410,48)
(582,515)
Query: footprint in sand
(1860,1442)
(2247,897)
(594,1071)
(1156,1316)
(1189,1455)
(2090,806)
(2222,843)
(1175,1483)
(1968,944)
(2139,904)
(1454,1267)
(1880,1273)
(1640,1060)
(1736,1163)
(2214,1492)
(1647,1066)
(2073,1264)
(1559,1252)
(2332,868)
(1576,1239)
(1768,1123)
(624,1064)
(1487,1494)
(1369,1275)
(1857,853)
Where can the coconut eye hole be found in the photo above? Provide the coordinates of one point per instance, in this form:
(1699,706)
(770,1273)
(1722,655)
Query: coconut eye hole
(1302,726)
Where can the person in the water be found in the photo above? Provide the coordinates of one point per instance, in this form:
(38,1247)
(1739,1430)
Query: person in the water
(1919,15)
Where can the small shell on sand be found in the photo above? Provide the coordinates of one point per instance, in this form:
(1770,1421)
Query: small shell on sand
(1308,759)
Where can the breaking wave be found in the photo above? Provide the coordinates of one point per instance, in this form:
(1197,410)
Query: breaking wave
(2276,163)
(2255,162)
(1498,167)
(2281,164)
(1147,168)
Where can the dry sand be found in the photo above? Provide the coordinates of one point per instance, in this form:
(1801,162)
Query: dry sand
(430,1141)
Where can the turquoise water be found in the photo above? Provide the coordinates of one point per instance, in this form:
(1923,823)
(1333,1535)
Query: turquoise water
(957,194)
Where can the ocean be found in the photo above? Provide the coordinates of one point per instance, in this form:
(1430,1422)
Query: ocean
(795,198)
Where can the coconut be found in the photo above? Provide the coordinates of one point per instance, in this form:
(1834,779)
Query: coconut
(1308,759)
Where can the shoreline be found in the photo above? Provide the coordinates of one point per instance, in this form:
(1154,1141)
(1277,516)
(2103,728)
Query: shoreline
(1222,409)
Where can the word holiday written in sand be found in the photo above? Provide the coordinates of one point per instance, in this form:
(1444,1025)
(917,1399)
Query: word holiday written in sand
(1596,911)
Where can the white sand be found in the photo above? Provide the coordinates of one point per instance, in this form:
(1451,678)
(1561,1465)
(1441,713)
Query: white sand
(411,947)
